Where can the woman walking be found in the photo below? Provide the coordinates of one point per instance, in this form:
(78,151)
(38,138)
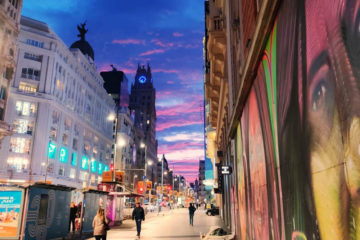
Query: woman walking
(100,225)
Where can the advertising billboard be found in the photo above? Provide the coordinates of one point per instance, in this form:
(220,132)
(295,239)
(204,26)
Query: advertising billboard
(10,213)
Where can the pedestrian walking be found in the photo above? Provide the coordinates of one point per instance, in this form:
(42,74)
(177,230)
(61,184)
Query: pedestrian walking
(192,210)
(73,211)
(138,215)
(100,225)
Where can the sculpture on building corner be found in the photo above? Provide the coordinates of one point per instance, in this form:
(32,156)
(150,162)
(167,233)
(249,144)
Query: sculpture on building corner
(82,30)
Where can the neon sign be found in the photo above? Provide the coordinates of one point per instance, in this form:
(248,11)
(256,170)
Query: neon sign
(51,150)
(84,162)
(63,155)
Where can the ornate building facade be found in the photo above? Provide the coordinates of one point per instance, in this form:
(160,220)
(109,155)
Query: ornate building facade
(9,30)
(58,108)
(142,103)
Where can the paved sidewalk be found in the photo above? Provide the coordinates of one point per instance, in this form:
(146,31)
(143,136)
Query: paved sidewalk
(173,224)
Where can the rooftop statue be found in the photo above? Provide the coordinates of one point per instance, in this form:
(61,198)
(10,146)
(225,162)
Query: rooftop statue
(82,30)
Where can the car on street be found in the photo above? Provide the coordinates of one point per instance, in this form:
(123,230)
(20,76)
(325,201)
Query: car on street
(212,211)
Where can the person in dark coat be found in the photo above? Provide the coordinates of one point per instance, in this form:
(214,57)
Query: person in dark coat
(138,215)
(73,211)
(192,210)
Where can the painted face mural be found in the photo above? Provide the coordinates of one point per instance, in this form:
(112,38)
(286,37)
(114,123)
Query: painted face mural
(303,115)
(333,111)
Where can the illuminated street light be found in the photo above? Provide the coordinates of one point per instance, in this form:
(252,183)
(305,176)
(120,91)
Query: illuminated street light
(121,142)
(111,117)
(150,162)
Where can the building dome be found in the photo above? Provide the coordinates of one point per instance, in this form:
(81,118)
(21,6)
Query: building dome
(84,47)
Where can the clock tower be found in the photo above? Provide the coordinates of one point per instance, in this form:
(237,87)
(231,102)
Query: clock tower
(142,104)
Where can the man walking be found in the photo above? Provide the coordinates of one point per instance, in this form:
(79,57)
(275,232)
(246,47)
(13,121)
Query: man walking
(192,210)
(73,210)
(138,215)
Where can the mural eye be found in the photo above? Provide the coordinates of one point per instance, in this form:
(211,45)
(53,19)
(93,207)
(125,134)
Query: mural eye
(318,96)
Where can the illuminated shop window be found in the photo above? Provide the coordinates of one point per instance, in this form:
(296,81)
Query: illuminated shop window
(18,163)
(84,162)
(51,150)
(20,145)
(23,126)
(93,178)
(72,173)
(93,166)
(25,108)
(73,160)
(99,179)
(83,175)
(101,168)
(26,87)
(63,155)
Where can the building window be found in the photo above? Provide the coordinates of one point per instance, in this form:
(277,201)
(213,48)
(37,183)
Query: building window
(63,157)
(35,43)
(55,117)
(26,87)
(2,92)
(75,144)
(33,57)
(65,139)
(23,126)
(25,108)
(18,163)
(72,173)
(20,145)
(83,175)
(67,124)
(93,178)
(61,170)
(53,133)
(30,73)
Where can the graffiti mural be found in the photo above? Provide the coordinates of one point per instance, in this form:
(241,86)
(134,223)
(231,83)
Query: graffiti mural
(299,143)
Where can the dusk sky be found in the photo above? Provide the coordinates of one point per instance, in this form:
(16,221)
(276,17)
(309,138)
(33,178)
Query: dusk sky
(166,33)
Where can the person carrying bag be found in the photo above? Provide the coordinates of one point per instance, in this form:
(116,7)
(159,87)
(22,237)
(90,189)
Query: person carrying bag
(100,225)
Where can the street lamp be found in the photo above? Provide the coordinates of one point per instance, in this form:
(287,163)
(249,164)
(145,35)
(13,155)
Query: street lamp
(114,117)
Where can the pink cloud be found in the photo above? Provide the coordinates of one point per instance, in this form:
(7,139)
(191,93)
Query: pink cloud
(162,44)
(129,41)
(156,70)
(170,82)
(194,106)
(177,34)
(150,52)
(177,123)
(178,146)
(106,67)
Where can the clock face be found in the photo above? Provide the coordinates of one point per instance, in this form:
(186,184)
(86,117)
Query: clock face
(142,79)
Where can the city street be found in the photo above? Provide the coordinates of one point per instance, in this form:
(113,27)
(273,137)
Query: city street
(172,224)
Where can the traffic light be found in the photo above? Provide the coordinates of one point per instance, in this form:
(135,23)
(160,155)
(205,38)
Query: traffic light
(169,187)
(111,167)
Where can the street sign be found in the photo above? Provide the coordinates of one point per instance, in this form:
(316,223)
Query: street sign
(226,170)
